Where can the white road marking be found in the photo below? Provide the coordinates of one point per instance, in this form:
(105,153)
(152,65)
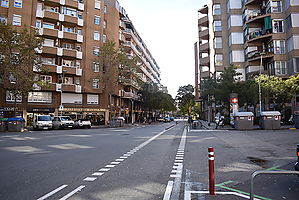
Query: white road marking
(123,157)
(78,189)
(97,174)
(174,176)
(104,170)
(119,160)
(188,194)
(51,193)
(90,179)
(114,163)
(168,190)
(208,130)
(110,166)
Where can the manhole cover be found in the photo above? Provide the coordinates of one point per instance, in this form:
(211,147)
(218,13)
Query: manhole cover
(259,161)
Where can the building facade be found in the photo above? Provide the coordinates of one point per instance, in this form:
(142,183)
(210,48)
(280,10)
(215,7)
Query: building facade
(258,36)
(249,34)
(73,31)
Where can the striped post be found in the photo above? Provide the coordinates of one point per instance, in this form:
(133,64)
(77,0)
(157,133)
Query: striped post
(211,171)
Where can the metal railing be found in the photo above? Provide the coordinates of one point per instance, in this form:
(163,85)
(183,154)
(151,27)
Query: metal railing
(266,172)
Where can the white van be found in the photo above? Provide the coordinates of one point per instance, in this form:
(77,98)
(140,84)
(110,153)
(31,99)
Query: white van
(62,122)
(42,122)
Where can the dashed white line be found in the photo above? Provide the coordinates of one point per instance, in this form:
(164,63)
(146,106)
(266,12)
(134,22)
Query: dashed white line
(123,157)
(97,174)
(110,166)
(119,160)
(104,170)
(168,190)
(78,189)
(51,193)
(114,163)
(90,179)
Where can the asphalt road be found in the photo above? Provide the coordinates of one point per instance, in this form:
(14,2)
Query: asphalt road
(145,162)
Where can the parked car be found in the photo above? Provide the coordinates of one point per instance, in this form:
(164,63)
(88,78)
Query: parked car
(62,122)
(82,123)
(167,119)
(42,122)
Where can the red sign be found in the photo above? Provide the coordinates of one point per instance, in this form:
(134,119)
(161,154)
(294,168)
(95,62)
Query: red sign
(234,100)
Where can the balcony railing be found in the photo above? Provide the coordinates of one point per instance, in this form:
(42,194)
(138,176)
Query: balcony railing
(257,34)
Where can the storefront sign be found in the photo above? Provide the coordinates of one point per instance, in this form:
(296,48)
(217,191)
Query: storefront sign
(84,110)
(50,110)
(8,109)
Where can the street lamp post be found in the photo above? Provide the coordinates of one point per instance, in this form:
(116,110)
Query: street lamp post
(62,81)
(259,82)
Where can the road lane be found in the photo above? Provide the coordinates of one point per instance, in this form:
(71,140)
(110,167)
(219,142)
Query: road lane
(55,158)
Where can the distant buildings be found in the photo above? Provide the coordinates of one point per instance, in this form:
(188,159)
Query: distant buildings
(73,31)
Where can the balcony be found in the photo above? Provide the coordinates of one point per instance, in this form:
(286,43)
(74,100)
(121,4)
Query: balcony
(256,18)
(204,48)
(204,10)
(70,36)
(257,36)
(51,15)
(49,68)
(253,2)
(69,53)
(49,50)
(130,82)
(204,34)
(72,3)
(205,74)
(131,95)
(254,56)
(204,61)
(49,87)
(204,21)
(68,88)
(53,33)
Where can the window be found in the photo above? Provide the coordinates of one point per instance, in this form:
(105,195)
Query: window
(95,83)
(105,24)
(68,46)
(69,11)
(235,20)
(69,29)
(5,3)
(3,19)
(105,9)
(97,20)
(234,4)
(104,38)
(277,26)
(218,42)
(96,51)
(96,35)
(40,97)
(296,65)
(48,43)
(295,19)
(51,9)
(280,67)
(288,23)
(38,24)
(46,78)
(48,25)
(276,6)
(71,98)
(79,31)
(68,63)
(97,4)
(279,46)
(217,26)
(92,99)
(96,67)
(17,20)
(216,9)
(237,56)
(236,38)
(18,3)
(218,59)
(77,81)
(10,97)
(68,80)
(50,61)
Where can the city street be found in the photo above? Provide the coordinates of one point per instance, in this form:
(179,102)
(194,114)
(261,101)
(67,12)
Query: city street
(161,161)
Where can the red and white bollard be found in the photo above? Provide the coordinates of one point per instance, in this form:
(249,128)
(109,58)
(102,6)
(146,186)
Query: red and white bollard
(211,171)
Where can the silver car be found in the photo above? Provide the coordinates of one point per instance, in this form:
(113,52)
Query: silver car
(62,122)
(82,123)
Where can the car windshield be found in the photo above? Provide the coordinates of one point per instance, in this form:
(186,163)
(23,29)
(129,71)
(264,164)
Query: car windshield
(65,118)
(44,118)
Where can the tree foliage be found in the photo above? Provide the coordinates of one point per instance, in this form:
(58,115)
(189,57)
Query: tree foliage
(154,99)
(185,98)
(17,59)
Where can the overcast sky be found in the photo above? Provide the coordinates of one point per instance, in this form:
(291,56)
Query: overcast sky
(169,30)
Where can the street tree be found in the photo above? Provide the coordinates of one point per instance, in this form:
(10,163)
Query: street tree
(185,99)
(17,59)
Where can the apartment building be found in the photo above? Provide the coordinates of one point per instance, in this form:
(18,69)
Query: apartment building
(73,32)
(256,35)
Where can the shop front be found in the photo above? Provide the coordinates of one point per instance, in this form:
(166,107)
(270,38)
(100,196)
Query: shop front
(95,115)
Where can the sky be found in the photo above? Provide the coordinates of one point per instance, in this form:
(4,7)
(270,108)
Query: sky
(169,30)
